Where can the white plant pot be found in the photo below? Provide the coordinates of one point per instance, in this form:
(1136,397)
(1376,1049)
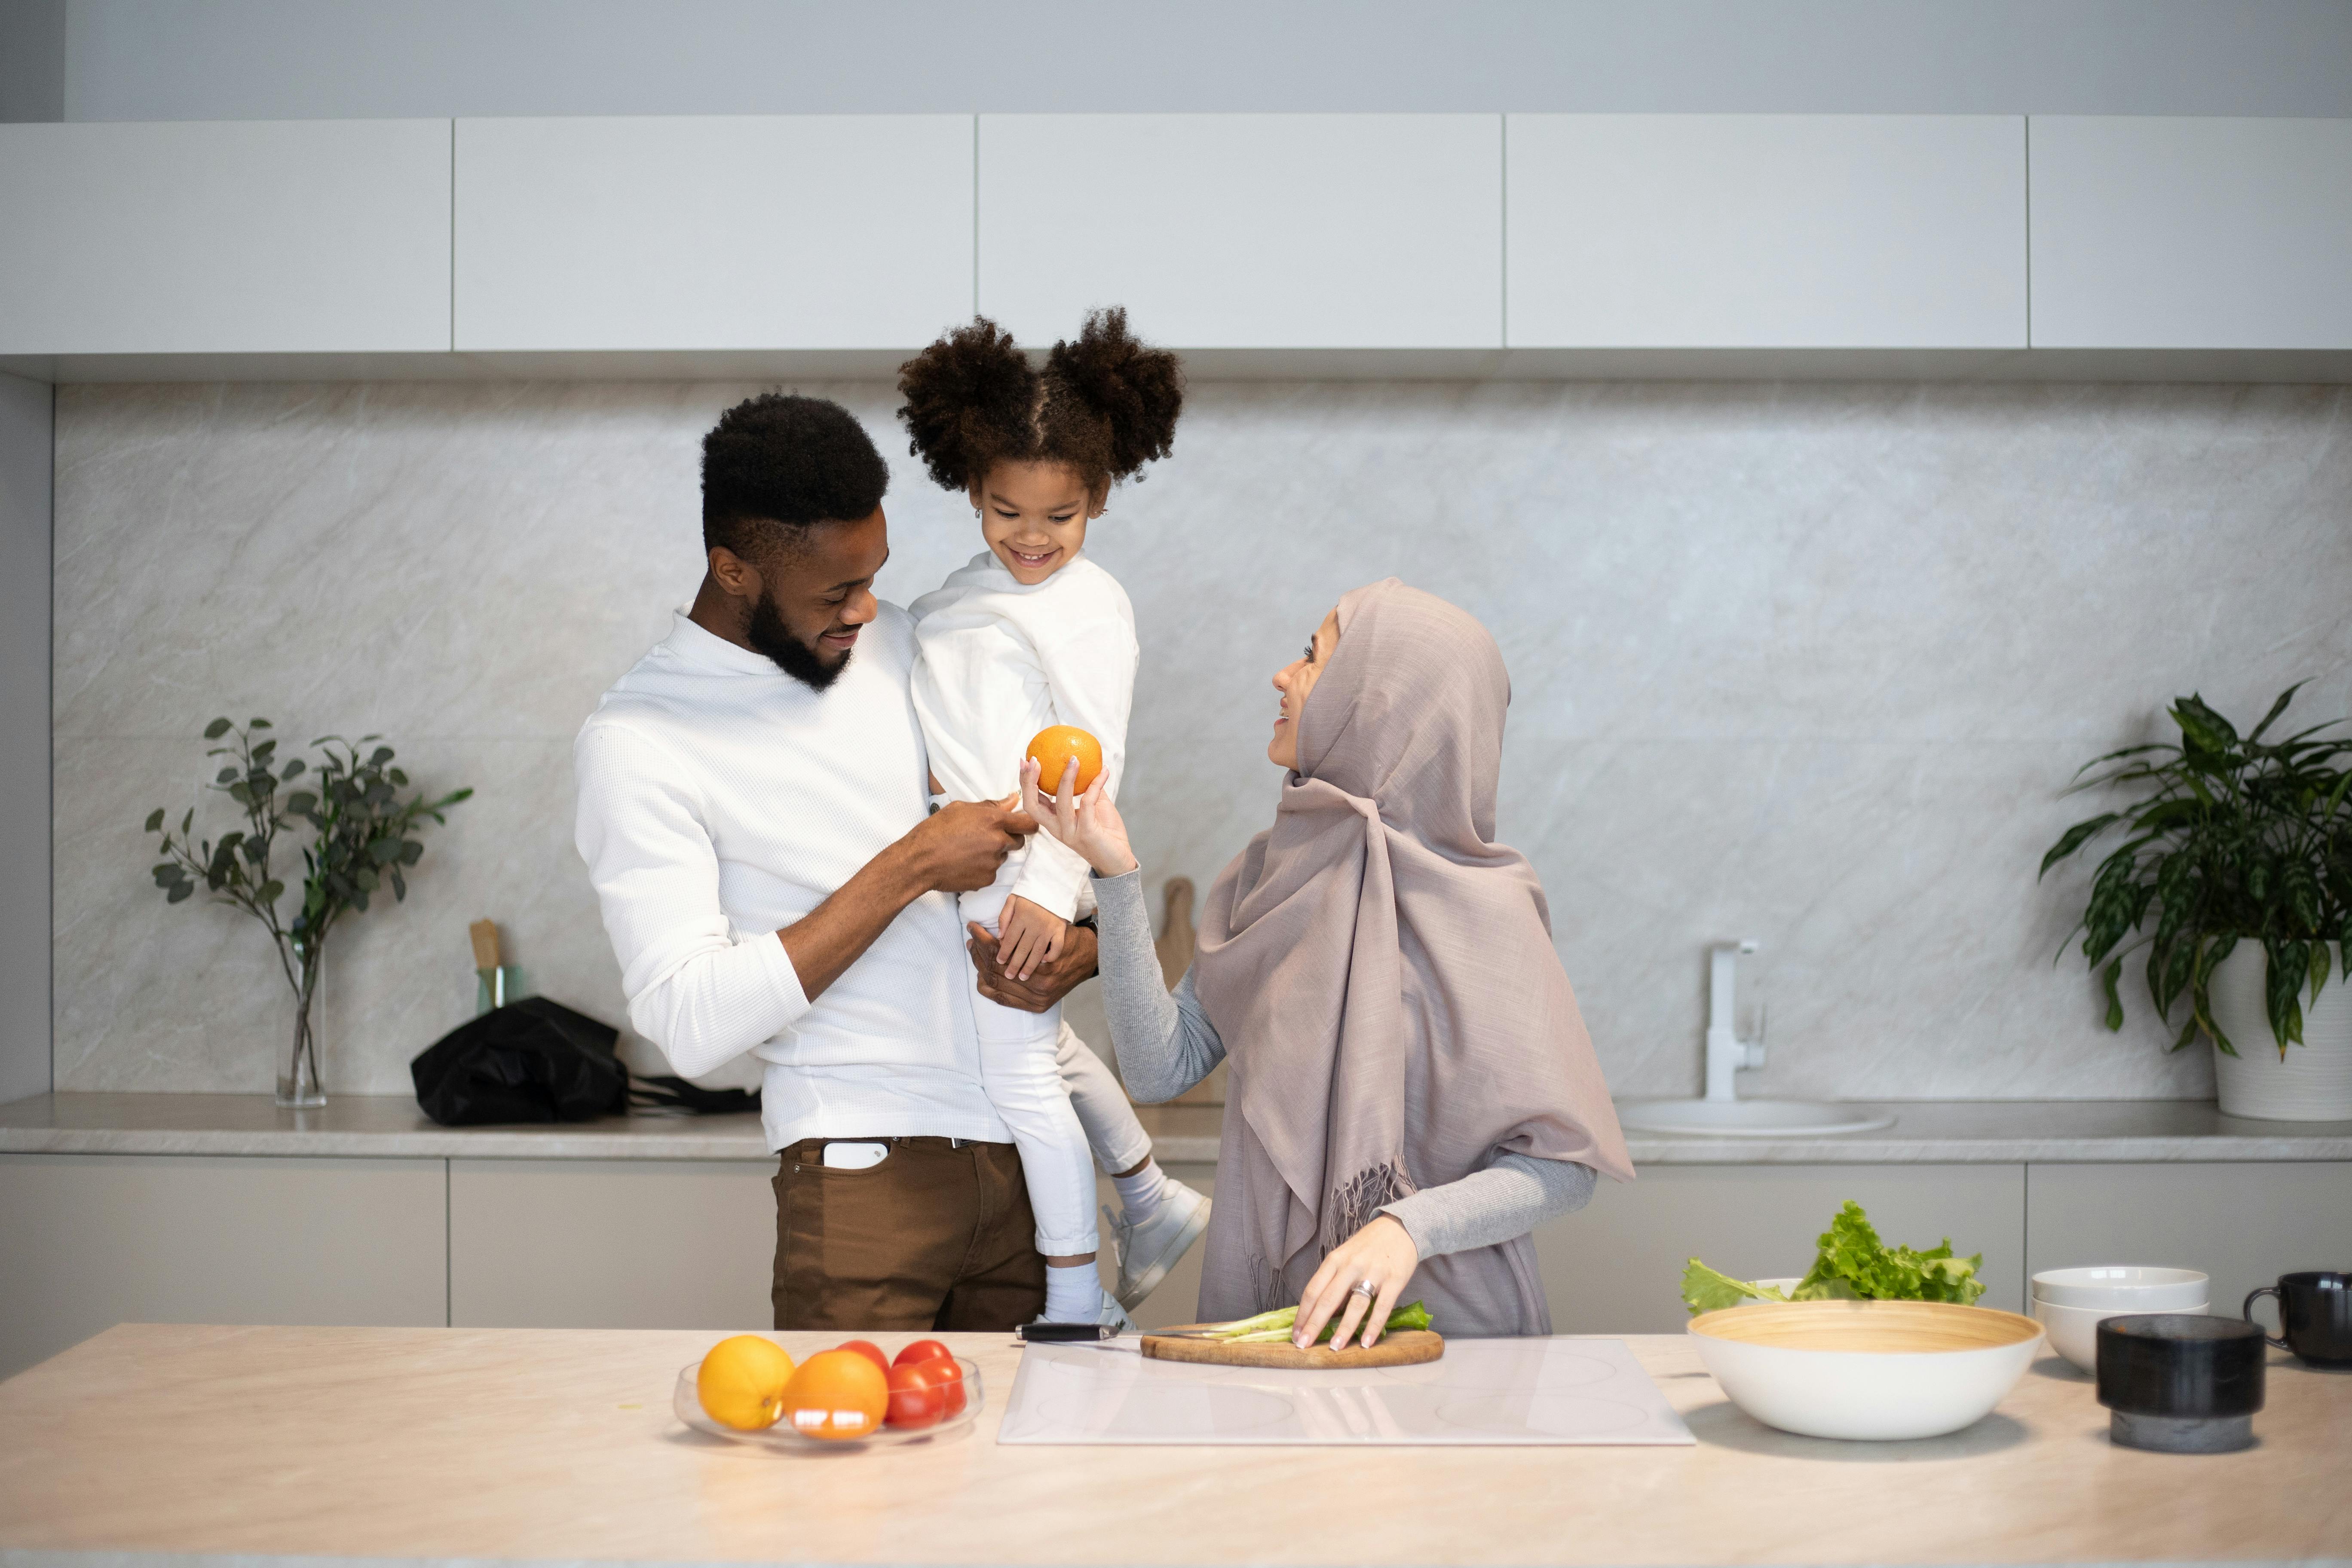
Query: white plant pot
(2314,1083)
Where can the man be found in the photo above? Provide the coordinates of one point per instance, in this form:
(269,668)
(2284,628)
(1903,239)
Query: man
(754,811)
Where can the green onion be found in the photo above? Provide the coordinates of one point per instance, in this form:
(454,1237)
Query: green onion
(1269,1327)
(1281,1320)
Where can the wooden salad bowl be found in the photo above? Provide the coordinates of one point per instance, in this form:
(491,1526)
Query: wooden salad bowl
(1405,1347)
(1887,1327)
(1865,1370)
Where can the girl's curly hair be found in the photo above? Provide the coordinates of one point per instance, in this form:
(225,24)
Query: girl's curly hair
(1105,405)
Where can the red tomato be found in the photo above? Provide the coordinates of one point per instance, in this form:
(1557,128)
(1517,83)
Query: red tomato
(867,1348)
(917,1398)
(946,1374)
(923,1350)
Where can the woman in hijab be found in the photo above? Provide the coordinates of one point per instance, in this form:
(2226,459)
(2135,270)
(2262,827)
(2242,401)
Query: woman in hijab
(1412,1090)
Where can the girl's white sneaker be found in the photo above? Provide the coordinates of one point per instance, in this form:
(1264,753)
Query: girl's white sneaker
(1146,1252)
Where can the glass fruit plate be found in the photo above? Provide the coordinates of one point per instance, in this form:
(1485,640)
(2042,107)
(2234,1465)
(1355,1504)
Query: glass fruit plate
(688,1405)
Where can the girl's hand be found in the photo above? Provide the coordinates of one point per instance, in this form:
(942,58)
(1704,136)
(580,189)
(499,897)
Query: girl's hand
(1031,936)
(1088,823)
(1383,1253)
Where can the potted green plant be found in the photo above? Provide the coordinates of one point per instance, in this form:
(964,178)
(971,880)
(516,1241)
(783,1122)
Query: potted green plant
(363,837)
(2235,875)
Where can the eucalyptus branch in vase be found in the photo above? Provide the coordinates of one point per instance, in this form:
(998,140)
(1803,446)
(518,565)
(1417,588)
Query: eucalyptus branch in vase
(363,837)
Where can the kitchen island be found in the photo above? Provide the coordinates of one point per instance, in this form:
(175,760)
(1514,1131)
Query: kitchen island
(186,1445)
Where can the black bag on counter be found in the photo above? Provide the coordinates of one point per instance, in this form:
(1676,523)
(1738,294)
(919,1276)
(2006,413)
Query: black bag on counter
(660,1094)
(533,1060)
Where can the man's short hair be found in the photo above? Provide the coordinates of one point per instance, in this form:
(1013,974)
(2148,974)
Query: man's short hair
(777,464)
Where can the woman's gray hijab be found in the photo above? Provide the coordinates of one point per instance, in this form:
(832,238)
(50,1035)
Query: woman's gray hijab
(1382,975)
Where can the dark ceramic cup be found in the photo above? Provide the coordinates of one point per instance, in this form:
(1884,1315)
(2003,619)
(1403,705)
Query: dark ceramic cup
(2314,1316)
(2180,1382)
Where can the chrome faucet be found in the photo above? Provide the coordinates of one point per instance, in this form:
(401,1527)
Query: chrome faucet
(1726,1053)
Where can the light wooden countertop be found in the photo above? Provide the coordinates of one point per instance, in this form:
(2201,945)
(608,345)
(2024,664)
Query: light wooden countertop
(391,1127)
(421,1445)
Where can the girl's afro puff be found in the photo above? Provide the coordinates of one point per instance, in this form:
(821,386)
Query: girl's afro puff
(1104,405)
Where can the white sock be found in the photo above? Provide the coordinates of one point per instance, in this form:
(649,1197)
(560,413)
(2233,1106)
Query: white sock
(1073,1294)
(1139,1194)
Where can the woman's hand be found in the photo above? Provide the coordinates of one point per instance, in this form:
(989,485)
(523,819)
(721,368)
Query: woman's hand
(1088,823)
(1031,935)
(1383,1254)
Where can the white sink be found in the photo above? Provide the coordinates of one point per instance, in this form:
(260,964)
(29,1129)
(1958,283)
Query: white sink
(1748,1117)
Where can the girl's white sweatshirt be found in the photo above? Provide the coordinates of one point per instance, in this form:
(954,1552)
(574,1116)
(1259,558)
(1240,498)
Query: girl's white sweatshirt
(1001,660)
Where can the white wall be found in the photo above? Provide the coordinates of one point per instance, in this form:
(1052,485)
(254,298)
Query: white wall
(136,59)
(1804,663)
(24,459)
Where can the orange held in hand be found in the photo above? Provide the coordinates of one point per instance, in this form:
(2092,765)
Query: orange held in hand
(1055,747)
(837,1394)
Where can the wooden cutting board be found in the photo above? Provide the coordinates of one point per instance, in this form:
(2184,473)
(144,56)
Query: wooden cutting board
(1406,1347)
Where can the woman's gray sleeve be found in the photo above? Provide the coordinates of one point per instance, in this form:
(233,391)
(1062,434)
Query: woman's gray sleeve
(1509,1198)
(1165,1043)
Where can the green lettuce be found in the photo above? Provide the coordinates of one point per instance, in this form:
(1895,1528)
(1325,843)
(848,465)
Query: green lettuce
(1706,1290)
(1853,1264)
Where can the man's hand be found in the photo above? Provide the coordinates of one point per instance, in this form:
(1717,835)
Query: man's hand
(1032,935)
(1047,984)
(959,847)
(954,850)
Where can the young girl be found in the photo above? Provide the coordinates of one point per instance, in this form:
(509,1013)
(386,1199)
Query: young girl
(1030,634)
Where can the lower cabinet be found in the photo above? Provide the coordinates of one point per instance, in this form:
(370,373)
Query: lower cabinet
(1616,1266)
(2245,1225)
(611,1244)
(88,1241)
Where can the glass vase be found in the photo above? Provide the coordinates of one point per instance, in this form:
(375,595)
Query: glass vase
(298,1082)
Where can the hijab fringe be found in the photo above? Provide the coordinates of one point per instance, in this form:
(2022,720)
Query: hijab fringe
(1356,1202)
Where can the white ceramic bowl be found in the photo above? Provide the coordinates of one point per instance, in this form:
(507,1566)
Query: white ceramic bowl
(2125,1288)
(2074,1330)
(1866,1370)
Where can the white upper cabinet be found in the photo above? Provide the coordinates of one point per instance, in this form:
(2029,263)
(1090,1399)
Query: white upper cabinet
(769,232)
(1248,231)
(2192,234)
(283,237)
(1767,231)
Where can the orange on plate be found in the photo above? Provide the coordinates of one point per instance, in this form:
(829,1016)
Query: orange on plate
(837,1394)
(742,1382)
(1055,746)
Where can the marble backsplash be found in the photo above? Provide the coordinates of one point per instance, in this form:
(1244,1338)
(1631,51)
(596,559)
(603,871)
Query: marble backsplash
(1803,663)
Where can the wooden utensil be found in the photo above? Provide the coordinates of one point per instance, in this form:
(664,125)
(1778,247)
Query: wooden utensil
(1406,1347)
(1175,944)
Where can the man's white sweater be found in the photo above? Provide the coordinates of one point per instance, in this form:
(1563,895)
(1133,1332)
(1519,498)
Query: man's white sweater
(721,800)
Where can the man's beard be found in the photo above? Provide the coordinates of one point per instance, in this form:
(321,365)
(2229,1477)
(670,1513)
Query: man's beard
(767,634)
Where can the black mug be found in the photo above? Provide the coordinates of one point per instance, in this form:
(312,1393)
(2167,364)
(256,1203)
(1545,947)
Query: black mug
(2314,1316)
